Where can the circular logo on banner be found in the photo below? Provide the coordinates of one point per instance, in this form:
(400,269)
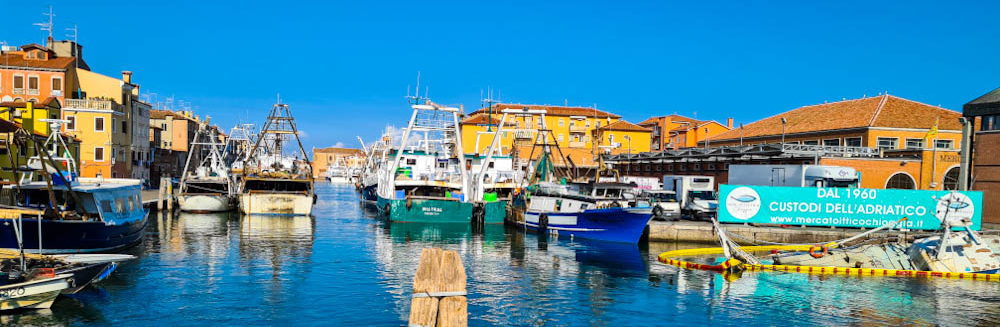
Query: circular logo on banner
(743,203)
(955,207)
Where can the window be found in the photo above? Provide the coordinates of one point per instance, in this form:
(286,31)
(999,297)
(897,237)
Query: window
(943,144)
(32,85)
(852,141)
(670,167)
(914,143)
(682,167)
(125,127)
(831,142)
(811,142)
(114,125)
(950,179)
(98,154)
(18,84)
(711,167)
(696,167)
(163,126)
(587,124)
(98,124)
(659,167)
(411,161)
(57,85)
(106,206)
(793,142)
(887,143)
(71,123)
(561,122)
(901,181)
(560,137)
(990,123)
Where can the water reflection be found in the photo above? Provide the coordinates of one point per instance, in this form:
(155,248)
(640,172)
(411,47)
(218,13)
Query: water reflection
(347,267)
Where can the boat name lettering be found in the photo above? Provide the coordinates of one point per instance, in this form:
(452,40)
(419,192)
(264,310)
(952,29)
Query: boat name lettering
(11,292)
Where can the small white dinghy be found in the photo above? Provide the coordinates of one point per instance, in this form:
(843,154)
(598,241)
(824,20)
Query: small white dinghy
(38,293)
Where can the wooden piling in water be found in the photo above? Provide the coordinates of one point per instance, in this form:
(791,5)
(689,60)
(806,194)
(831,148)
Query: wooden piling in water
(170,195)
(439,290)
(159,195)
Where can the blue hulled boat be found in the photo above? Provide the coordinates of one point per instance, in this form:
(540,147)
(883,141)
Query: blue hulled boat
(599,211)
(99,217)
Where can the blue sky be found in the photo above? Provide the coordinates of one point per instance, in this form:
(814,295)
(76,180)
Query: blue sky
(345,66)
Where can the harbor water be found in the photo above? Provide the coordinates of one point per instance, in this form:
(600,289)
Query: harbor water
(346,267)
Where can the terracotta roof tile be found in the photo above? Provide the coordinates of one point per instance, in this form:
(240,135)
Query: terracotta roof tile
(553,110)
(17,60)
(481,119)
(879,111)
(623,125)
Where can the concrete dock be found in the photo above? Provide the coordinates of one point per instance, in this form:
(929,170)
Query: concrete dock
(702,231)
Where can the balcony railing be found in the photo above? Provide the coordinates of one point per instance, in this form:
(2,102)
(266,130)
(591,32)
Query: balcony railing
(577,144)
(577,129)
(524,134)
(92,104)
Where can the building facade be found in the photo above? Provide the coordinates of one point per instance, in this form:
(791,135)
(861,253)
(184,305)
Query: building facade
(983,156)
(33,73)
(29,116)
(323,158)
(674,132)
(886,138)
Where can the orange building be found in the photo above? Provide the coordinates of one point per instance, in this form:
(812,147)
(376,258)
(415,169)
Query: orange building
(886,138)
(674,132)
(323,158)
(33,73)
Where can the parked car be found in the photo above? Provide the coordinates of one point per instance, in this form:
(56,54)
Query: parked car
(664,203)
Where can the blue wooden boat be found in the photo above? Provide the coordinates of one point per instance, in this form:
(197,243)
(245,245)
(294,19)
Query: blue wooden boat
(604,213)
(101,216)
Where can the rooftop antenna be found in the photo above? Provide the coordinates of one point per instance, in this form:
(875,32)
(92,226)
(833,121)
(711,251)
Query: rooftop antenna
(488,103)
(47,26)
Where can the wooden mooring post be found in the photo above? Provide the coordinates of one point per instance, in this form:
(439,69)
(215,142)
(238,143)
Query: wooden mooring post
(439,290)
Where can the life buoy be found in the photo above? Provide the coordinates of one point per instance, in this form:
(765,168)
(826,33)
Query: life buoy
(812,251)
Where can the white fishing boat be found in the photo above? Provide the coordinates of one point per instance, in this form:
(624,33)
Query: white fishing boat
(38,292)
(272,182)
(209,188)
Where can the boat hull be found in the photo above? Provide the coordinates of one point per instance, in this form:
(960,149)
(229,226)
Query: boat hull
(86,274)
(38,294)
(282,204)
(339,180)
(369,193)
(425,211)
(206,203)
(72,236)
(496,212)
(624,225)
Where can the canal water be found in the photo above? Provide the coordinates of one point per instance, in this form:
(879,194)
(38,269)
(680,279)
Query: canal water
(345,267)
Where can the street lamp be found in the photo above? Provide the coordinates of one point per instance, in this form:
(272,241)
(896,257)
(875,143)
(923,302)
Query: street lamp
(783,122)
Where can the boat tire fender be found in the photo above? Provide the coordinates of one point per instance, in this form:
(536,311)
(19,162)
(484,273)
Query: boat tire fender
(813,251)
(657,211)
(543,222)
(409,203)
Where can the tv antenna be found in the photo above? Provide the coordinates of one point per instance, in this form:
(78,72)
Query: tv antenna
(488,102)
(47,26)
(416,98)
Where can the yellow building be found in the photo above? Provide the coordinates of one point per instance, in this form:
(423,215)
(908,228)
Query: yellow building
(622,137)
(674,132)
(101,120)
(28,116)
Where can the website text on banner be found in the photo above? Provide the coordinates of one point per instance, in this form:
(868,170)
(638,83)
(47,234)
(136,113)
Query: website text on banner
(847,207)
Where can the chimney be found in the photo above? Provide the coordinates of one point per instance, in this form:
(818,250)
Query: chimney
(127,76)
(729,123)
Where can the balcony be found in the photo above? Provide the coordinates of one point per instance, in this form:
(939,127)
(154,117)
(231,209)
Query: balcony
(524,134)
(577,144)
(578,129)
(89,104)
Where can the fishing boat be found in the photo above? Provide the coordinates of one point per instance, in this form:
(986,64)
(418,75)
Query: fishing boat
(272,182)
(209,188)
(495,177)
(61,213)
(375,156)
(558,202)
(338,173)
(36,290)
(426,181)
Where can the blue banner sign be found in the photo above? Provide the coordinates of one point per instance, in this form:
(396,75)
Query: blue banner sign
(847,207)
